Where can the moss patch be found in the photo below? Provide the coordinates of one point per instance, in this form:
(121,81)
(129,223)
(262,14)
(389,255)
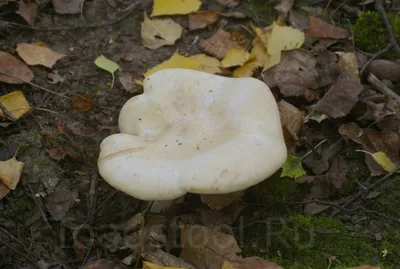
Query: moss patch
(370,33)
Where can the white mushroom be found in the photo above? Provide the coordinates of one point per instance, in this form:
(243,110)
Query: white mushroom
(194,132)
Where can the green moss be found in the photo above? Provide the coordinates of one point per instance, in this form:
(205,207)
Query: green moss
(261,11)
(300,241)
(370,33)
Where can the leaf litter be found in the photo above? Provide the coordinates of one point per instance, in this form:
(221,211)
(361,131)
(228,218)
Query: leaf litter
(307,65)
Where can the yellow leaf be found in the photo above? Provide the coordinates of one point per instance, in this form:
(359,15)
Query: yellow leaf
(159,32)
(176,61)
(15,103)
(207,64)
(381,158)
(10,172)
(246,70)
(277,38)
(236,57)
(107,65)
(149,265)
(173,7)
(227,265)
(263,58)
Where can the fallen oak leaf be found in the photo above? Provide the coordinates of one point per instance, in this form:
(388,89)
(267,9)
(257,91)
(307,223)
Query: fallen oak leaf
(159,32)
(34,54)
(11,65)
(107,65)
(174,7)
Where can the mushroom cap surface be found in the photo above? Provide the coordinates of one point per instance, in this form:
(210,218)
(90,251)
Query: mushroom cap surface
(196,132)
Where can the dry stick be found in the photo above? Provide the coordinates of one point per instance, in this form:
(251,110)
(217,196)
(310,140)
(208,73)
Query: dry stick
(14,238)
(379,182)
(39,206)
(379,7)
(33,263)
(35,85)
(379,53)
(88,26)
(379,85)
(7,112)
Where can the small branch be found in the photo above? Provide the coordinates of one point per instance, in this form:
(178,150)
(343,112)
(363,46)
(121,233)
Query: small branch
(35,85)
(379,7)
(33,263)
(379,85)
(7,112)
(376,55)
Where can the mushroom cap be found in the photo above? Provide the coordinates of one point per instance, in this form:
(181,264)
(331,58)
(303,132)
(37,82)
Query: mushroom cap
(196,132)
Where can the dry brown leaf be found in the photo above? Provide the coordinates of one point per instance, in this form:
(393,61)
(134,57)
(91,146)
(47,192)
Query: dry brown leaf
(206,248)
(34,54)
(161,257)
(320,29)
(328,68)
(67,6)
(104,264)
(373,141)
(27,10)
(384,69)
(253,263)
(10,172)
(320,164)
(221,42)
(81,103)
(11,65)
(202,19)
(229,3)
(159,32)
(220,201)
(341,97)
(295,75)
(61,153)
(291,117)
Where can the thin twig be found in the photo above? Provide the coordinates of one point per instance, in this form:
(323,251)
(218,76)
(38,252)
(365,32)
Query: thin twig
(32,262)
(376,55)
(13,237)
(379,85)
(35,85)
(379,7)
(88,26)
(7,112)
(39,206)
